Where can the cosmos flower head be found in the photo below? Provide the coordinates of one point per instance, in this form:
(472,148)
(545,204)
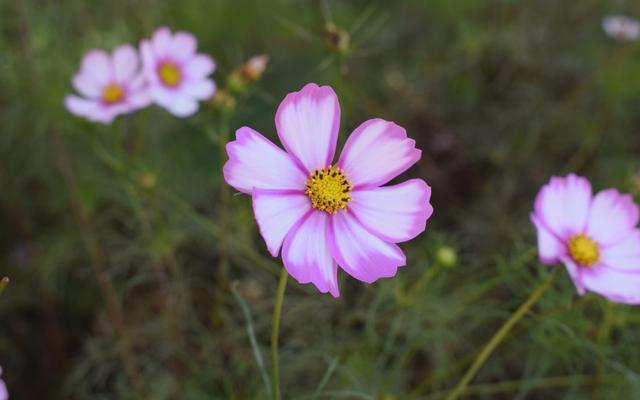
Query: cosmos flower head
(621,28)
(110,85)
(325,214)
(177,76)
(595,237)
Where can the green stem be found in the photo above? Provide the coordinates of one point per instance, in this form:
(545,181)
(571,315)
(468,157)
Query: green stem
(275,331)
(224,208)
(485,389)
(499,336)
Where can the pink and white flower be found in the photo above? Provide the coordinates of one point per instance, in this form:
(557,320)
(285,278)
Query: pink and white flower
(621,27)
(324,214)
(595,237)
(176,74)
(111,85)
(4,393)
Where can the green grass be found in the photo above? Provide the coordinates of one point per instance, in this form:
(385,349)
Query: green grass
(500,95)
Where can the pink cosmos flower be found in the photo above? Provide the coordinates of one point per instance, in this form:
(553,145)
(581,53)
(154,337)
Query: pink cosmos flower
(324,214)
(594,236)
(621,27)
(177,76)
(4,393)
(111,85)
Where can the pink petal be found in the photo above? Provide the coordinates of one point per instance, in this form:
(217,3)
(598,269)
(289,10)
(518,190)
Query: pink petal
(199,67)
(360,253)
(612,217)
(575,274)
(86,85)
(624,255)
(562,205)
(125,63)
(200,90)
(256,162)
(183,46)
(4,393)
(97,65)
(148,62)
(90,109)
(550,248)
(615,285)
(277,212)
(306,254)
(79,106)
(182,106)
(161,41)
(394,213)
(139,99)
(376,152)
(307,123)
(178,104)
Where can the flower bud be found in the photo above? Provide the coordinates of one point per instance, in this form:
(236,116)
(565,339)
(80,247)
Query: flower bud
(446,256)
(147,180)
(337,38)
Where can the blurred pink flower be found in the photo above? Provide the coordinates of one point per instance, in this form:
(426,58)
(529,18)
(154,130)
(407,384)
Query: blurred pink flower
(594,236)
(323,214)
(111,85)
(4,394)
(176,74)
(621,28)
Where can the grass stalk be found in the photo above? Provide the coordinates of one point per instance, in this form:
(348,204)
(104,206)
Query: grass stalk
(275,332)
(499,336)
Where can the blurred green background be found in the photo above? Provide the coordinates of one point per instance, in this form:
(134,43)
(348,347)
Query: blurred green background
(499,94)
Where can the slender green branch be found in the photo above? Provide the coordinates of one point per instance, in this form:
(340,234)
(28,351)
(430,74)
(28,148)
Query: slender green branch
(485,389)
(499,336)
(275,332)
(100,266)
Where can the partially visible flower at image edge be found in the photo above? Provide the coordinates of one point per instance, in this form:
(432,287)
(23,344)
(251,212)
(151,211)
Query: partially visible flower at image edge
(621,28)
(4,394)
(177,76)
(326,215)
(110,85)
(595,237)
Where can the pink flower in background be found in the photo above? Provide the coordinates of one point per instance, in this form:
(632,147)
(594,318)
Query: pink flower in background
(621,28)
(111,85)
(176,74)
(4,394)
(324,214)
(595,237)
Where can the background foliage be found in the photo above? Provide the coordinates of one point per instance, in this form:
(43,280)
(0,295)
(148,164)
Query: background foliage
(499,94)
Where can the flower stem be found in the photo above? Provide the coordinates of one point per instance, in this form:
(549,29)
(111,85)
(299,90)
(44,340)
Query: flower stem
(499,336)
(275,331)
(100,266)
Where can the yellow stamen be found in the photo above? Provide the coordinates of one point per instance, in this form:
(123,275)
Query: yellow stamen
(328,189)
(170,74)
(583,250)
(112,93)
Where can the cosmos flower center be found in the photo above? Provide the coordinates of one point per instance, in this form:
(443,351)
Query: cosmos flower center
(112,93)
(170,74)
(328,189)
(583,250)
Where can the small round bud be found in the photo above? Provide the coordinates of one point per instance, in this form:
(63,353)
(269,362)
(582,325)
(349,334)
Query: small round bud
(337,38)
(3,283)
(635,184)
(446,256)
(147,180)
(224,101)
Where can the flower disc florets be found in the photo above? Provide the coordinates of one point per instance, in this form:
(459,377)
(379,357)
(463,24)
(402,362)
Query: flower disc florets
(328,189)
